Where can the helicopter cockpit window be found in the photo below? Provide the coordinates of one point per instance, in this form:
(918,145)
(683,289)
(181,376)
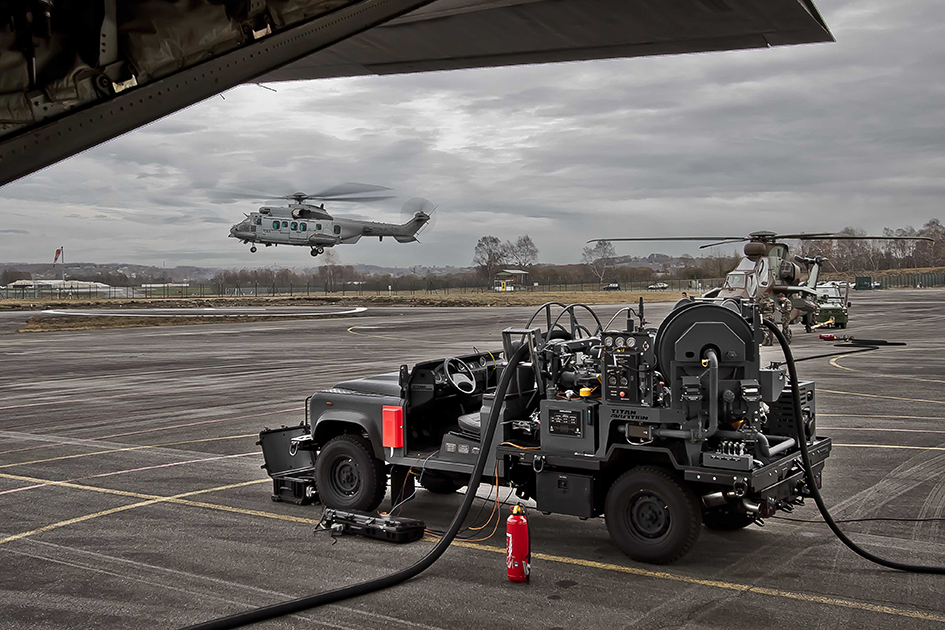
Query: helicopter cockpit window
(275,225)
(337,229)
(764,275)
(735,281)
(294,226)
(258,220)
(751,285)
(303,227)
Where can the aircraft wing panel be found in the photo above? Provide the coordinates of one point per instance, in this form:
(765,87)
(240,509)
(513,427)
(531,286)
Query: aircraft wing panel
(77,74)
(454,34)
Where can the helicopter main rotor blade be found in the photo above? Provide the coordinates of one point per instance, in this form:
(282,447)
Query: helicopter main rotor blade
(806,236)
(351,199)
(671,238)
(348,188)
(850,237)
(729,242)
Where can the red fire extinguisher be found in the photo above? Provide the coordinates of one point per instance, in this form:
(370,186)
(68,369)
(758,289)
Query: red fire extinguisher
(518,546)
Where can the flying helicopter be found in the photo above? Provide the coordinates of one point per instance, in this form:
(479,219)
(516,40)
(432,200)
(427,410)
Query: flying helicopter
(766,270)
(309,225)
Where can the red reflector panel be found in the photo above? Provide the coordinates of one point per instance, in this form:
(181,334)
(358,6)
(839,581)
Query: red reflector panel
(393,427)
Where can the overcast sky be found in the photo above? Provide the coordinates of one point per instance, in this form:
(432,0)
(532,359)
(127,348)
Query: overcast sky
(810,138)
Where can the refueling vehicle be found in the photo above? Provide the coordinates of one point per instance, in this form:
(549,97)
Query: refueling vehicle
(658,430)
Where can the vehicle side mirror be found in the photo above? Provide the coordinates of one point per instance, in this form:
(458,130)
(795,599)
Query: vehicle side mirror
(403,379)
(849,304)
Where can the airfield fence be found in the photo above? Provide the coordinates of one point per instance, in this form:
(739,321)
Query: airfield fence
(397,286)
(910,280)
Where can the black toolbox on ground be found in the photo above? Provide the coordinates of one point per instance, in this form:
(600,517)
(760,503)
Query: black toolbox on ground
(393,529)
(290,464)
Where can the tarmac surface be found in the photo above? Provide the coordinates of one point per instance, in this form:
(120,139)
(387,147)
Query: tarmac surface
(131,494)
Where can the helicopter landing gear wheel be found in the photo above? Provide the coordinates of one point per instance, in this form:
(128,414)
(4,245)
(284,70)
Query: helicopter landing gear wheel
(318,250)
(252,250)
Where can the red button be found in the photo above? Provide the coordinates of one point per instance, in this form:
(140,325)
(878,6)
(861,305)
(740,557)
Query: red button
(622,394)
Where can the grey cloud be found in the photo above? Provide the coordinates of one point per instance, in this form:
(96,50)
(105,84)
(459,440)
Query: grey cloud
(809,137)
(14,232)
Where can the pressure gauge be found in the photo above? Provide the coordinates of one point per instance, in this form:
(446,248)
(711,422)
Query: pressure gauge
(631,342)
(608,341)
(620,342)
(482,361)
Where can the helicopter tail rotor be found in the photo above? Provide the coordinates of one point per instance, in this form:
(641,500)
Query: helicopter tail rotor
(420,213)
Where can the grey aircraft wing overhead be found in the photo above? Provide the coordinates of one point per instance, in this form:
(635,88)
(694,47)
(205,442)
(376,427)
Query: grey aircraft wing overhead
(75,74)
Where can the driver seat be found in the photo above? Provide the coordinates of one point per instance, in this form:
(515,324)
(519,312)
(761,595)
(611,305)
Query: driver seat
(470,423)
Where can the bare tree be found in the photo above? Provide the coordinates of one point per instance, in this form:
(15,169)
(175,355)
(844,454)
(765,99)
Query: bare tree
(329,271)
(599,258)
(490,255)
(523,252)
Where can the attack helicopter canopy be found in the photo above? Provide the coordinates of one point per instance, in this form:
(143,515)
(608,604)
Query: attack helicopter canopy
(75,74)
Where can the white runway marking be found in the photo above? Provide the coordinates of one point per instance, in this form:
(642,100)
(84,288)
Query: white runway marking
(246,313)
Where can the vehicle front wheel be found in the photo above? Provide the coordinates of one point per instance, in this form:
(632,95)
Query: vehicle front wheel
(349,477)
(652,516)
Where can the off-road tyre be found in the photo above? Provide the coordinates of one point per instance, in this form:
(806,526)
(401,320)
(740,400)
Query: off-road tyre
(438,484)
(842,326)
(652,516)
(725,519)
(349,476)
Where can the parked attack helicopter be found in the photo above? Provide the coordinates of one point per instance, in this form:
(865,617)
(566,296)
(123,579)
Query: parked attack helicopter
(766,270)
(310,225)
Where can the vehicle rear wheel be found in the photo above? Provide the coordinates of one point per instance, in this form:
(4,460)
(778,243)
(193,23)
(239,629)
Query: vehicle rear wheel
(843,325)
(652,516)
(440,485)
(349,476)
(726,519)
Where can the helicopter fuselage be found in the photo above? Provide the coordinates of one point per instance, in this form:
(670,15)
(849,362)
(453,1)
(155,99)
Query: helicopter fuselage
(311,226)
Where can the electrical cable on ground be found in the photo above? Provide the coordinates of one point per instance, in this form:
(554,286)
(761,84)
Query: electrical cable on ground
(363,588)
(809,472)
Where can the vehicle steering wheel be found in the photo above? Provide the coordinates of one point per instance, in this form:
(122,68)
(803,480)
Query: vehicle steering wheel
(459,375)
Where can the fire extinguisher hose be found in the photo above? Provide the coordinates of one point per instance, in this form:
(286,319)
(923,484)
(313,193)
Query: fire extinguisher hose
(355,590)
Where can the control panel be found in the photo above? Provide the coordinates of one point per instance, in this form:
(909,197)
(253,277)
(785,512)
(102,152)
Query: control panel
(627,359)
(569,426)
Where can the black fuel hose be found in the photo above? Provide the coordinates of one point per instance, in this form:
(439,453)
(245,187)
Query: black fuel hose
(355,590)
(809,472)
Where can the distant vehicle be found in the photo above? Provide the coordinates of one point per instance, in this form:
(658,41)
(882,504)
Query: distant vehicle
(658,286)
(613,286)
(832,307)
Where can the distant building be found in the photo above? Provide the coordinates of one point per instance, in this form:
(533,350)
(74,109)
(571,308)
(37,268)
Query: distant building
(52,288)
(509,279)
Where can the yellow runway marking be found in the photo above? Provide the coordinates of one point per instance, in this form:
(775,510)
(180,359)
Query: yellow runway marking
(921,400)
(354,332)
(836,363)
(913,448)
(129,448)
(153,498)
(731,586)
(150,501)
(660,575)
(853,415)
